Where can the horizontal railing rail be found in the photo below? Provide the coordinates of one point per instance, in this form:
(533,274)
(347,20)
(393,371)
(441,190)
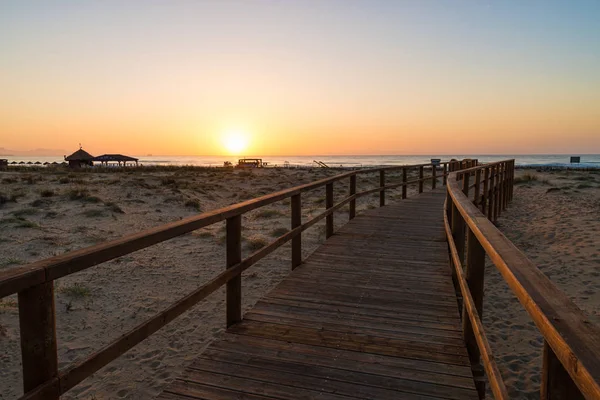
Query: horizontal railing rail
(571,352)
(34,282)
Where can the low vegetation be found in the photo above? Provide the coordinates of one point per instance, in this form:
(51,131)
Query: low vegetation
(75,290)
(254,243)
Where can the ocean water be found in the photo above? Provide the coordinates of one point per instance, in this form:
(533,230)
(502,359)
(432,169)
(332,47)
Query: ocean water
(587,160)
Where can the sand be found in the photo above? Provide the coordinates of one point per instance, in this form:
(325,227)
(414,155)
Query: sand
(46,213)
(555,220)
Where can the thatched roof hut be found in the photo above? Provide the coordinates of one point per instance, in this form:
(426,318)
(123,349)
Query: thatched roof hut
(80,158)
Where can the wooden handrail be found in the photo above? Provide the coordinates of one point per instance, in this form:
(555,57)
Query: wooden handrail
(34,282)
(572,344)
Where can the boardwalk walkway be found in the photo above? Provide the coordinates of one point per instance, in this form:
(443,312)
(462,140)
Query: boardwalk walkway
(371,314)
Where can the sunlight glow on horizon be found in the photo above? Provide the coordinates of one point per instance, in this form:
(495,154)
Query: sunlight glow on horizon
(340,77)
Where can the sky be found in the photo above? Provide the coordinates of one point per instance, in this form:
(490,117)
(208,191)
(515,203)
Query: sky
(301,77)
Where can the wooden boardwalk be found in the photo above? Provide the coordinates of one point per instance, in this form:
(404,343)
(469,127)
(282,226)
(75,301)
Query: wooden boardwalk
(371,314)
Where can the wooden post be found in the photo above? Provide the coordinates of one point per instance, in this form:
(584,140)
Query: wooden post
(381,185)
(458,232)
(37,324)
(477,187)
(433,176)
(465,188)
(296,222)
(445,178)
(490,211)
(484,197)
(328,205)
(496,192)
(474,274)
(352,192)
(404,179)
(421,179)
(556,382)
(233,227)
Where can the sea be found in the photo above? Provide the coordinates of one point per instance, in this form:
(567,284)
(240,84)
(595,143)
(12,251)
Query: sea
(522,160)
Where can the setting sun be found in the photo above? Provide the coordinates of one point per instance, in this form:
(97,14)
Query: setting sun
(235,142)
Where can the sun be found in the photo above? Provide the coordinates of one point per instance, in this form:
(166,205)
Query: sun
(235,141)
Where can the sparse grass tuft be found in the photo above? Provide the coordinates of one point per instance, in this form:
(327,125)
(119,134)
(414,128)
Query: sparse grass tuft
(25,211)
(114,207)
(9,180)
(47,193)
(195,204)
(279,232)
(25,223)
(526,178)
(95,213)
(203,234)
(10,261)
(254,243)
(268,214)
(76,290)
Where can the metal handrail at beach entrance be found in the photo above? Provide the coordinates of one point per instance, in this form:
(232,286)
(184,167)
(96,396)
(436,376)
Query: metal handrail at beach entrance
(571,352)
(34,283)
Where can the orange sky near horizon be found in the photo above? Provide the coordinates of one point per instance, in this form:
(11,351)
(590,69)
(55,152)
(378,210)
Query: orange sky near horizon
(383,78)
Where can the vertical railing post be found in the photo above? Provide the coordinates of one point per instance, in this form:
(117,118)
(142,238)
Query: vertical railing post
(477,187)
(352,211)
(433,176)
(501,188)
(556,382)
(328,205)
(486,182)
(458,232)
(465,181)
(37,322)
(296,222)
(404,180)
(421,179)
(233,227)
(496,192)
(491,205)
(445,178)
(382,185)
(474,274)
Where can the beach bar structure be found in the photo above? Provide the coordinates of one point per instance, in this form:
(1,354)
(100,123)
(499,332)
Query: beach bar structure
(105,159)
(80,158)
(390,306)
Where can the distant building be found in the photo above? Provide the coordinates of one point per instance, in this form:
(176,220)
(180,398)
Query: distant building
(80,158)
(115,158)
(3,164)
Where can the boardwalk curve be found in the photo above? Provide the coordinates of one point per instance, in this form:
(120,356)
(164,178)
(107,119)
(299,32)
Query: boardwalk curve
(372,313)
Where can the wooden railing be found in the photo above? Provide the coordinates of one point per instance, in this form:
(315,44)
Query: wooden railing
(571,352)
(34,283)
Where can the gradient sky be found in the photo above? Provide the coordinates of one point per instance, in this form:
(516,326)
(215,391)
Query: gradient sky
(301,77)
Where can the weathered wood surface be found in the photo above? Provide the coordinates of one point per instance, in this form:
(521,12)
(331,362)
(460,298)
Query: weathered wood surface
(371,314)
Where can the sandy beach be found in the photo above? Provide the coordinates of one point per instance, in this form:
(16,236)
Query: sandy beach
(52,212)
(554,220)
